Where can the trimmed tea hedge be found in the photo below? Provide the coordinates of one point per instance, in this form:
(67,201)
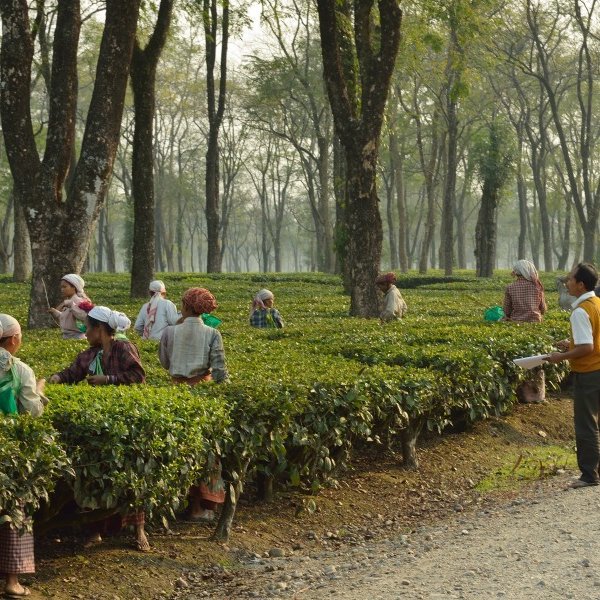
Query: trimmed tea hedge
(299,402)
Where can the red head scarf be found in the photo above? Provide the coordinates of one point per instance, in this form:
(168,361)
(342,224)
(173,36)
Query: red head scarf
(199,300)
(386,278)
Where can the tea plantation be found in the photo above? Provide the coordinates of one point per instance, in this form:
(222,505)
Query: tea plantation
(299,401)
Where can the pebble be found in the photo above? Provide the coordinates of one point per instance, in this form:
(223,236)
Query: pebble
(181,583)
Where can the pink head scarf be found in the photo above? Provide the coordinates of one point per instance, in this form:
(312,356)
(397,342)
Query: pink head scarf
(258,302)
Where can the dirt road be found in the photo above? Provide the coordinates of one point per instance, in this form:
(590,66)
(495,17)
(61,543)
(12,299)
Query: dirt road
(545,545)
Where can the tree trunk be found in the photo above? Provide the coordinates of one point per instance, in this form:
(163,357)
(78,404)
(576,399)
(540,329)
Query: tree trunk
(216,107)
(324,209)
(566,241)
(51,219)
(100,256)
(461,243)
(448,206)
(22,265)
(234,491)
(402,217)
(143,83)
(391,226)
(6,242)
(522,194)
(351,56)
(365,234)
(486,232)
(408,438)
(212,211)
(340,189)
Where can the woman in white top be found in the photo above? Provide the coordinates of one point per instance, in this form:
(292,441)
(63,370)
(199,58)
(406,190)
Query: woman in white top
(157,314)
(26,396)
(72,311)
(394,306)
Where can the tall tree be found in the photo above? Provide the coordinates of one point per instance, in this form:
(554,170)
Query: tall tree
(216,107)
(143,83)
(62,208)
(359,45)
(493,157)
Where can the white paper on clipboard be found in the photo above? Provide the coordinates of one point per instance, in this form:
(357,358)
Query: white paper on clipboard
(530,362)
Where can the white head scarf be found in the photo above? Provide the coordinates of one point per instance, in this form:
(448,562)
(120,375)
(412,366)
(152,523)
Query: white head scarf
(526,269)
(8,326)
(114,319)
(259,299)
(76,281)
(157,286)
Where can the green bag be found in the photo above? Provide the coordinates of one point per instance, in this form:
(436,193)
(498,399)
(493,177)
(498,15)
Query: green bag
(210,320)
(10,386)
(493,313)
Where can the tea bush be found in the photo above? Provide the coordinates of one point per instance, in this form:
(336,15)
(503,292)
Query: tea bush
(299,402)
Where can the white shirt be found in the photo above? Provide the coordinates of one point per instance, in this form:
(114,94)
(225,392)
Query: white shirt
(28,399)
(166,314)
(581,326)
(394,306)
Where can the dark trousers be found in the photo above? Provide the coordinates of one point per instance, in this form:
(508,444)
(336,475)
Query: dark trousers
(586,408)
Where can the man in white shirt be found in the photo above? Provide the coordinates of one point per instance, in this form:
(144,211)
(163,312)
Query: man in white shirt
(582,351)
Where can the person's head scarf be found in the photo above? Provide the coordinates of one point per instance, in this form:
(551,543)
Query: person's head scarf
(526,269)
(389,278)
(114,319)
(76,281)
(199,301)
(9,326)
(258,302)
(157,287)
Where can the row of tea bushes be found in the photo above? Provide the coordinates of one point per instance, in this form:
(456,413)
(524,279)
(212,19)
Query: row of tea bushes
(299,402)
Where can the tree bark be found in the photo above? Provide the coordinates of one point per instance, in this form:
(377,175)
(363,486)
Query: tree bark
(358,66)
(7,227)
(216,107)
(22,264)
(143,83)
(453,77)
(52,220)
(389,211)
(522,195)
(100,256)
(486,232)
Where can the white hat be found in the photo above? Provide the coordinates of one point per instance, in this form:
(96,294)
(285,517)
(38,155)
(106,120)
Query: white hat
(114,319)
(8,326)
(76,281)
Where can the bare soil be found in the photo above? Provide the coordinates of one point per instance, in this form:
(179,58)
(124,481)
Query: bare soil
(374,500)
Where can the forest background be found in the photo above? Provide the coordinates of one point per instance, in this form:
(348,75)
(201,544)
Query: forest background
(487,151)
